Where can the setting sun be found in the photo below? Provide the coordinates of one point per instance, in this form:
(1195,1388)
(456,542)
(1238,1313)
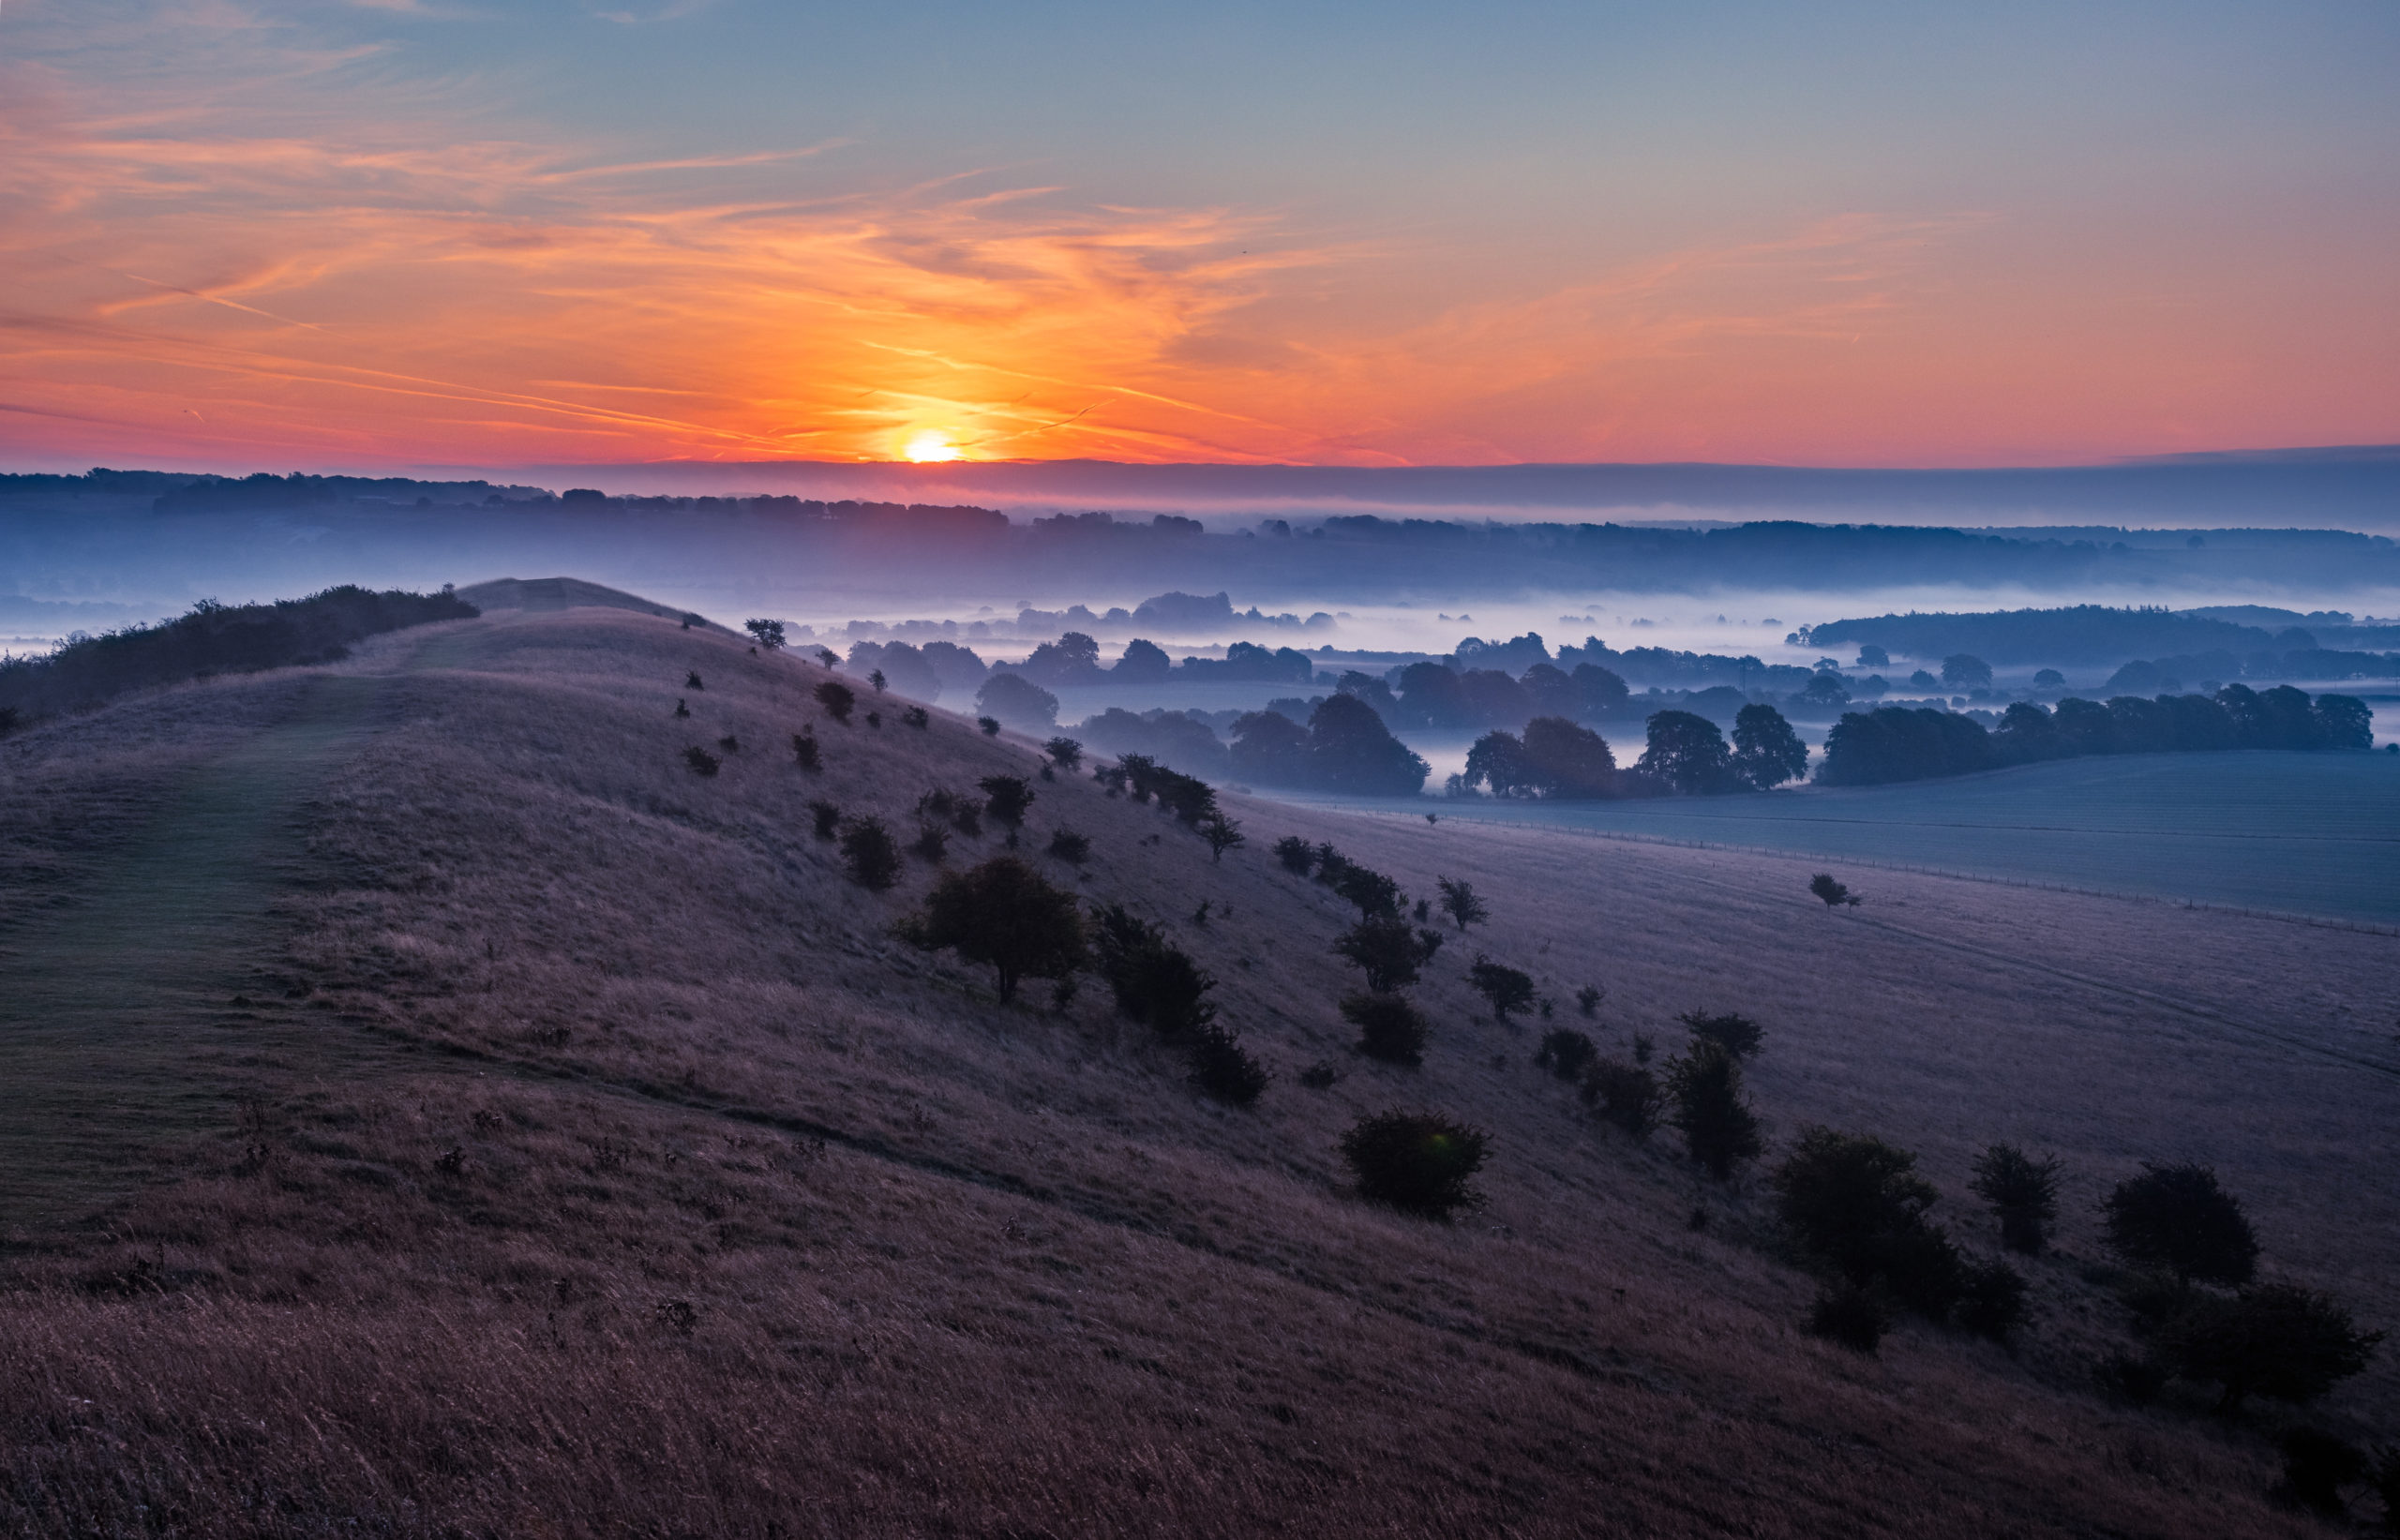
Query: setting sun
(930,446)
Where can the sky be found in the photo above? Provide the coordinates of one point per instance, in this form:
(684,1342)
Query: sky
(372,234)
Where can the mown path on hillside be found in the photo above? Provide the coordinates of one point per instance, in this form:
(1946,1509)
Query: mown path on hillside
(119,1036)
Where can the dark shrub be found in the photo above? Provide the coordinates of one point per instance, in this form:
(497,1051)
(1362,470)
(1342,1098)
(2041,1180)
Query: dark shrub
(1737,1035)
(1587,1000)
(805,752)
(1704,1092)
(1566,1053)
(1065,752)
(1833,892)
(871,853)
(2177,1219)
(827,816)
(729,743)
(1222,1067)
(767,633)
(1846,1199)
(1389,1028)
(1925,1271)
(1992,1302)
(1390,954)
(1222,834)
(701,761)
(681,709)
(2316,1466)
(692,680)
(837,698)
(1153,980)
(875,678)
(2023,1194)
(2278,1341)
(1850,1317)
(1003,914)
(874,718)
(1070,846)
(2136,1381)
(1006,798)
(1502,987)
(991,725)
(1625,1094)
(1296,854)
(916,716)
(931,843)
(1319,1076)
(1419,1162)
(1375,895)
(1461,902)
(2386,1473)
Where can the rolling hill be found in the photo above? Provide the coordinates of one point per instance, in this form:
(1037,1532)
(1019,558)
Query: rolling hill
(435,1107)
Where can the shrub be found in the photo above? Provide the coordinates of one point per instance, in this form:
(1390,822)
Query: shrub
(805,751)
(1388,952)
(1065,752)
(875,678)
(871,853)
(1566,1053)
(1004,915)
(1737,1035)
(692,679)
(931,842)
(1705,1090)
(1070,846)
(1460,902)
(2134,1381)
(1845,1198)
(1389,1028)
(701,761)
(1222,834)
(729,743)
(1374,893)
(2278,1341)
(1925,1271)
(2177,1219)
(2023,1194)
(1991,1301)
(1833,893)
(767,633)
(1849,1317)
(916,717)
(1006,798)
(874,718)
(1418,1162)
(1319,1076)
(1587,1000)
(1625,1094)
(991,725)
(827,656)
(1224,1069)
(1504,987)
(827,816)
(682,709)
(1296,854)
(1154,981)
(837,698)
(2316,1466)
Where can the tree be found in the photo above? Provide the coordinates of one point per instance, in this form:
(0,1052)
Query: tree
(1418,1162)
(1623,1093)
(1686,751)
(1270,749)
(2023,1194)
(1568,761)
(1296,855)
(805,751)
(1144,662)
(1222,1069)
(1566,1053)
(1705,1090)
(2345,721)
(876,679)
(837,698)
(828,657)
(1766,752)
(1222,834)
(1065,752)
(1505,987)
(2278,1341)
(1006,798)
(767,633)
(1833,893)
(1737,1035)
(1851,1201)
(1004,915)
(1389,1028)
(1018,702)
(871,853)
(1965,671)
(1388,952)
(2179,1219)
(1350,750)
(1460,902)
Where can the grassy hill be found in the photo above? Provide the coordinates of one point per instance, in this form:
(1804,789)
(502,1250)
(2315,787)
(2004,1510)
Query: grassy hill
(433,1108)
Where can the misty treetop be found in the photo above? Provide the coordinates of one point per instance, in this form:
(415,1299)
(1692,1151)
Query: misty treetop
(1344,748)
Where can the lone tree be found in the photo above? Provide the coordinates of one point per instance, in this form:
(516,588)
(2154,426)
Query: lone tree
(837,698)
(1388,952)
(1004,915)
(1065,752)
(1833,893)
(1418,1162)
(828,657)
(2179,1219)
(2023,1194)
(767,633)
(1766,752)
(1222,834)
(1459,902)
(871,853)
(1705,1093)
(2278,1341)
(1006,798)
(876,679)
(1505,988)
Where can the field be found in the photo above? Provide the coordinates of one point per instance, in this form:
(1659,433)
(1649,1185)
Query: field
(490,1126)
(2292,833)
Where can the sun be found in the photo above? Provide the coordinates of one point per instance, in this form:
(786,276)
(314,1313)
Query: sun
(931,444)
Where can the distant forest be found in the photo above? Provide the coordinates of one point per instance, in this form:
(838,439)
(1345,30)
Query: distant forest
(212,639)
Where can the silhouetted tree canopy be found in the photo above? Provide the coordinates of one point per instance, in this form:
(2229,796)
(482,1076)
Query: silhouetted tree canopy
(2177,1217)
(1007,916)
(1766,752)
(1686,751)
(2278,1341)
(1018,703)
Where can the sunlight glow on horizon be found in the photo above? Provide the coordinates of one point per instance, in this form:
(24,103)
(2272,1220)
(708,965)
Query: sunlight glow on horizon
(932,446)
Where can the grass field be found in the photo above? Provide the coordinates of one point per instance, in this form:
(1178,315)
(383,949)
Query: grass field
(2294,834)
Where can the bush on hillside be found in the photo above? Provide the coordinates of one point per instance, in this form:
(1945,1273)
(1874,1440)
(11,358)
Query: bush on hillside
(1153,980)
(990,725)
(729,743)
(1626,1095)
(805,752)
(2022,1192)
(767,633)
(1390,1027)
(2277,1339)
(837,698)
(1737,1035)
(1849,1200)
(828,817)
(682,710)
(1070,846)
(701,761)
(1566,1053)
(2316,1466)
(1461,904)
(1006,798)
(2177,1219)
(1065,752)
(1005,915)
(1296,855)
(870,852)
(1222,1069)
(931,842)
(1390,954)
(1833,893)
(1506,989)
(1222,834)
(916,717)
(1991,1303)
(1587,1000)
(1850,1317)
(692,679)
(1319,1076)
(1418,1162)
(1704,1095)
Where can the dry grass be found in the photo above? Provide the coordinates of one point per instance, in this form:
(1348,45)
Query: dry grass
(642,1183)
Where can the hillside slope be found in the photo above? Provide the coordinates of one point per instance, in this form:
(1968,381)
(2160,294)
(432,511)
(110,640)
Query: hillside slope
(590,1158)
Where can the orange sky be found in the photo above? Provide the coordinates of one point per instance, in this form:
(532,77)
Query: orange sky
(269,247)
